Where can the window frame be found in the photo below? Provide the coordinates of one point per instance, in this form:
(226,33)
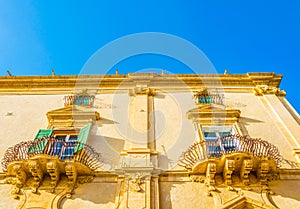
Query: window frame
(217,130)
(71,133)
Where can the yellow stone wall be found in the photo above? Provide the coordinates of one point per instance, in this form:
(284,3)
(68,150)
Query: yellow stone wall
(268,116)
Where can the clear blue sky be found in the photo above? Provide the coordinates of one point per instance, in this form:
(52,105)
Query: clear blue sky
(251,36)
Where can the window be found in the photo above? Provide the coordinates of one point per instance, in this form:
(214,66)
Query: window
(213,123)
(205,99)
(62,143)
(213,135)
(84,100)
(65,135)
(66,138)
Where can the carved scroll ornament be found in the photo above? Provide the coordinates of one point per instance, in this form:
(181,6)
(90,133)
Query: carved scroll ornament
(260,90)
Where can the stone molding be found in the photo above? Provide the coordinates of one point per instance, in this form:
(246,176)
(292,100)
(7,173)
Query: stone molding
(214,114)
(36,85)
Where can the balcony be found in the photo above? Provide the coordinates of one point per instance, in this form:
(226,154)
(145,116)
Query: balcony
(256,147)
(47,163)
(72,150)
(232,160)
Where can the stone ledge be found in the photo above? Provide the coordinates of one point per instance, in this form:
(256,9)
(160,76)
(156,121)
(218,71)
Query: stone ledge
(289,174)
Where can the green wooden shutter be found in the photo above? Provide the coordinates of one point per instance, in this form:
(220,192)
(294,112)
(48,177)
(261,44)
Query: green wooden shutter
(82,137)
(43,133)
(41,146)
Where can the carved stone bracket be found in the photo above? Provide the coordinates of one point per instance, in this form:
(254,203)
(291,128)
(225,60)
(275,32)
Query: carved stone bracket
(228,169)
(20,179)
(245,170)
(53,170)
(210,177)
(31,174)
(260,90)
(235,170)
(71,173)
(37,174)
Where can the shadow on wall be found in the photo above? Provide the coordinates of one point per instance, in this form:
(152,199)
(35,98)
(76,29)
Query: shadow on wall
(109,148)
(90,194)
(165,163)
(248,121)
(166,198)
(244,121)
(285,189)
(103,121)
(175,194)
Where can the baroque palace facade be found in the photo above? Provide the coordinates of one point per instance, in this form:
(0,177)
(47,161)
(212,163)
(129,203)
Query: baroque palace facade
(147,140)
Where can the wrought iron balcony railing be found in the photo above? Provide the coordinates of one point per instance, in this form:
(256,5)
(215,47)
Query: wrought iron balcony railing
(200,151)
(71,150)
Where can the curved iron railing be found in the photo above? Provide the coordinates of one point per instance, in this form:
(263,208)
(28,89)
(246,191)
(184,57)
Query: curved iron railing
(85,154)
(233,143)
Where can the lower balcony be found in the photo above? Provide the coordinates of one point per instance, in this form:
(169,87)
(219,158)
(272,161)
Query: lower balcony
(48,163)
(232,161)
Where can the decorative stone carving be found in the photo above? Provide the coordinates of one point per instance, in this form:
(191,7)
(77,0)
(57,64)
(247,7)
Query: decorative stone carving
(234,169)
(53,170)
(210,177)
(201,91)
(245,170)
(260,90)
(27,178)
(71,173)
(85,179)
(37,174)
(228,169)
(136,181)
(141,90)
(197,178)
(20,179)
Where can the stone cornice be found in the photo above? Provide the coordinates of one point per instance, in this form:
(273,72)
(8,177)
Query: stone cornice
(10,85)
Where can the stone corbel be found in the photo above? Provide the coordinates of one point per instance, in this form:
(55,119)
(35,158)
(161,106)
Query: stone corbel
(262,173)
(20,179)
(71,173)
(53,170)
(245,170)
(37,174)
(210,177)
(228,169)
